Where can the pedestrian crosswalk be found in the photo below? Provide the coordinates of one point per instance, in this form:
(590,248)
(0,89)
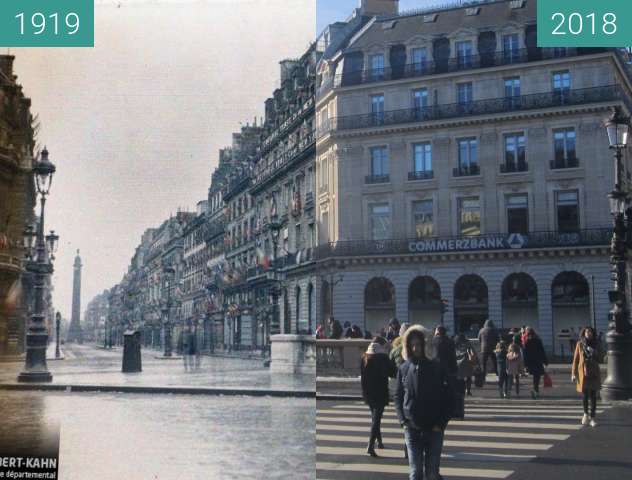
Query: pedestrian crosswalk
(495,437)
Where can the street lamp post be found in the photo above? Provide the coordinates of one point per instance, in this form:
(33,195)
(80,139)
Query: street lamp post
(57,325)
(35,369)
(275,228)
(618,384)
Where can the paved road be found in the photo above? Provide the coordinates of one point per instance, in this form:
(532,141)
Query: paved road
(499,439)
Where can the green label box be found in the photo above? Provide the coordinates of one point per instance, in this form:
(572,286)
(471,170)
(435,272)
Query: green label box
(47,23)
(584,23)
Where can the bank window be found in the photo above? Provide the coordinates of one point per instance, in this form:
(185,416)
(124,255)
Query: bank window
(515,160)
(564,141)
(468,153)
(423,218)
(517,214)
(380,221)
(567,206)
(469,216)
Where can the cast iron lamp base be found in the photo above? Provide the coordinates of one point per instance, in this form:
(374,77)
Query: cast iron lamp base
(618,384)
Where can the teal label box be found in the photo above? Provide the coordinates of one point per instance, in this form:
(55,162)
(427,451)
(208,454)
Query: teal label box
(46,23)
(584,23)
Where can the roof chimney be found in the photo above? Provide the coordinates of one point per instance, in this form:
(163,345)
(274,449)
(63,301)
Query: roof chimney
(379,7)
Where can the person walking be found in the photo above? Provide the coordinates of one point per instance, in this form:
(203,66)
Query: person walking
(501,362)
(534,359)
(393,330)
(488,338)
(375,369)
(585,372)
(515,364)
(466,359)
(423,405)
(336,329)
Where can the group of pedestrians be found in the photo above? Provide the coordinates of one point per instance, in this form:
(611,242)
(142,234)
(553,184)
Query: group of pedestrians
(434,374)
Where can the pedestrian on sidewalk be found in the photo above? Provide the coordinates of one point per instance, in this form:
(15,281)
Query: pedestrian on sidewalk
(375,369)
(501,362)
(585,372)
(488,338)
(534,359)
(423,403)
(466,360)
(515,364)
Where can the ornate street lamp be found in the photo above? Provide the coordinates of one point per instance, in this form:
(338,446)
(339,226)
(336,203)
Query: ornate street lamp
(35,369)
(618,384)
(274,225)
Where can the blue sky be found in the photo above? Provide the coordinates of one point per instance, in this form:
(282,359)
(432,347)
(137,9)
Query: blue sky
(329,11)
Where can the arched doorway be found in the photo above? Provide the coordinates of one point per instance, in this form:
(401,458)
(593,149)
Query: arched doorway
(424,302)
(570,302)
(470,304)
(520,301)
(379,304)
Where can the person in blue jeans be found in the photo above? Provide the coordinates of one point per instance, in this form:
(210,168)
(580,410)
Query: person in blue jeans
(423,402)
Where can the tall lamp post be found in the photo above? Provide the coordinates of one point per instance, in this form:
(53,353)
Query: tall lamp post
(274,225)
(57,327)
(35,369)
(618,384)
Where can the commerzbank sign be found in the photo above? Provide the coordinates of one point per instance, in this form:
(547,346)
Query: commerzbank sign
(492,242)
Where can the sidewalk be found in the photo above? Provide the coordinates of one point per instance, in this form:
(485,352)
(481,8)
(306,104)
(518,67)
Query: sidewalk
(90,368)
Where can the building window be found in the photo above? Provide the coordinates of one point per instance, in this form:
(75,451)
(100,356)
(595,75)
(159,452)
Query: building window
(423,218)
(379,172)
(567,211)
(377,109)
(515,160)
(469,216)
(512,92)
(312,236)
(564,149)
(419,59)
(511,48)
(298,239)
(561,85)
(464,54)
(380,221)
(468,158)
(422,161)
(517,214)
(464,95)
(376,63)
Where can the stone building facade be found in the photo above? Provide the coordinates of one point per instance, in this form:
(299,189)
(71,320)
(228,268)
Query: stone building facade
(456,163)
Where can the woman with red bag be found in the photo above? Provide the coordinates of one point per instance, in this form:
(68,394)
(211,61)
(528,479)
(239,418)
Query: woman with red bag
(585,372)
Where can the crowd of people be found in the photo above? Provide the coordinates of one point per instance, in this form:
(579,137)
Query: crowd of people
(434,373)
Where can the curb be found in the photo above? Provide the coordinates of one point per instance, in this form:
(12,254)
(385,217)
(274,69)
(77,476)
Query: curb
(158,390)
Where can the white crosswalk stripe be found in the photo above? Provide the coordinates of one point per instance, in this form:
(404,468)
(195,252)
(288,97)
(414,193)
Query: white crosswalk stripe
(493,438)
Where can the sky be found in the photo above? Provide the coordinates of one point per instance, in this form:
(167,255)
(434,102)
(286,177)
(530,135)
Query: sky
(134,124)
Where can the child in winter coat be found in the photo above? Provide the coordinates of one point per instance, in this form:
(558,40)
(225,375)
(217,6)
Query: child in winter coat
(515,365)
(501,361)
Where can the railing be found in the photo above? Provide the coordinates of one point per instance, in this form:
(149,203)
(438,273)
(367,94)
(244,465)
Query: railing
(421,175)
(489,106)
(512,167)
(270,171)
(339,357)
(497,241)
(466,170)
(454,64)
(371,179)
(572,162)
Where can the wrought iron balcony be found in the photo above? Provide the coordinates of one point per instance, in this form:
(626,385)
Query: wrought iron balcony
(560,163)
(466,170)
(490,242)
(421,175)
(491,106)
(513,167)
(370,179)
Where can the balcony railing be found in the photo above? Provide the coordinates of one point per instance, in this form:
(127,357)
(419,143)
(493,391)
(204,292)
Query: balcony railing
(456,64)
(498,241)
(491,106)
(513,167)
(371,179)
(421,175)
(560,163)
(466,170)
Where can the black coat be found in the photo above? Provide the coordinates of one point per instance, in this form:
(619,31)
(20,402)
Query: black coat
(446,353)
(534,356)
(488,337)
(336,330)
(423,398)
(374,378)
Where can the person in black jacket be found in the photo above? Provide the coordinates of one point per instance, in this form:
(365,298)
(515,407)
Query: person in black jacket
(534,359)
(375,368)
(445,350)
(488,338)
(336,329)
(423,402)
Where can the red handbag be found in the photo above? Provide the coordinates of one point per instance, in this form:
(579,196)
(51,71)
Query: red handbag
(548,382)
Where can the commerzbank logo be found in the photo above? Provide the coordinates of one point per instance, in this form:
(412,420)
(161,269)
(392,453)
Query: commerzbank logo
(516,240)
(489,242)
